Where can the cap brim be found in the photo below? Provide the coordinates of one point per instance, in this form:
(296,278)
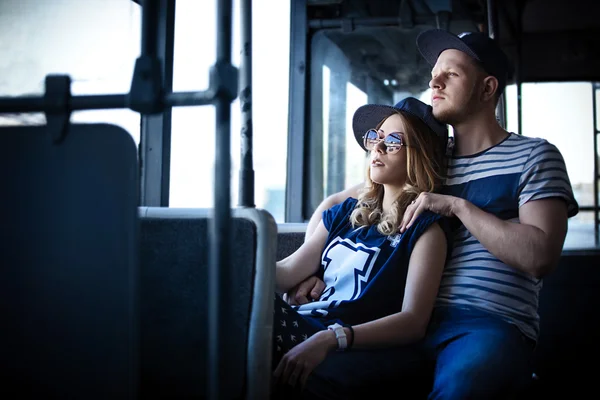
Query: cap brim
(432,42)
(367,117)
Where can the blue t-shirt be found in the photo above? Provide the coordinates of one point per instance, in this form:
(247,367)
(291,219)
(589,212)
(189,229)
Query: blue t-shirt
(363,270)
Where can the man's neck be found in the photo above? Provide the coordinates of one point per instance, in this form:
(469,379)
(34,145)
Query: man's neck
(478,133)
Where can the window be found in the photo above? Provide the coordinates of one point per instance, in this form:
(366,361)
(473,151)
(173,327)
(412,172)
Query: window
(562,113)
(193,128)
(96,42)
(355,171)
(349,70)
(341,153)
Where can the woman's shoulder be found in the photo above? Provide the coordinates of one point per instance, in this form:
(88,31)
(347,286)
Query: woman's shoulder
(345,206)
(339,213)
(436,222)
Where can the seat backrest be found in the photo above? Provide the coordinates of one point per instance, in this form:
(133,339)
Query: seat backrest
(569,331)
(290,237)
(68,280)
(175,247)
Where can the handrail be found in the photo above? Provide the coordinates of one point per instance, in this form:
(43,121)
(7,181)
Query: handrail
(29,104)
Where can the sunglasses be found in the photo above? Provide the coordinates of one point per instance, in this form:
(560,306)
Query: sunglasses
(392,142)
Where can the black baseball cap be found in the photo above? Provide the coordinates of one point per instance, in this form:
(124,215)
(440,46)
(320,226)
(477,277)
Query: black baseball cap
(368,116)
(433,42)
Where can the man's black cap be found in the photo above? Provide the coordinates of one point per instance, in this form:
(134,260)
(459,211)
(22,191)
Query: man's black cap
(433,42)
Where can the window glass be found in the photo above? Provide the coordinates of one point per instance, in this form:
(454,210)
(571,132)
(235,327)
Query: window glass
(571,130)
(355,156)
(342,156)
(193,128)
(95,42)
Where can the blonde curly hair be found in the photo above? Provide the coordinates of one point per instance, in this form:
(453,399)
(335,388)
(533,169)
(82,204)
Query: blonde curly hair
(424,166)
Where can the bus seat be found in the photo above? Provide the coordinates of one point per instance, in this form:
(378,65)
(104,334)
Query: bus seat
(69,249)
(175,246)
(569,335)
(290,237)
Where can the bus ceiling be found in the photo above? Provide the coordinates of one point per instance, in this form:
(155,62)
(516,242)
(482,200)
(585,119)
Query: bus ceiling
(547,40)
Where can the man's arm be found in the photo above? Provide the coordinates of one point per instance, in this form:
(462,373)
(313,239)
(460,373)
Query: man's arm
(327,203)
(533,246)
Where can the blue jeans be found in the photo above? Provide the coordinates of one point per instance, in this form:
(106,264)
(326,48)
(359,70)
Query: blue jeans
(368,374)
(467,354)
(477,355)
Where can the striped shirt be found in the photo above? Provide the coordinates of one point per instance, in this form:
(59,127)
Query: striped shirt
(499,180)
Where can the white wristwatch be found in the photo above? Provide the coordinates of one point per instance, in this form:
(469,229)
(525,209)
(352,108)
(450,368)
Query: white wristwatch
(340,335)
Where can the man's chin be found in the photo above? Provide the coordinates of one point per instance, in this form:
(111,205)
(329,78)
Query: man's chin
(442,114)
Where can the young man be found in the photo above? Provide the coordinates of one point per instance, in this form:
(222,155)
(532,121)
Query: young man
(510,197)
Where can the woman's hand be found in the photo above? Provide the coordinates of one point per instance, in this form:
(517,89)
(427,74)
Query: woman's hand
(297,364)
(306,291)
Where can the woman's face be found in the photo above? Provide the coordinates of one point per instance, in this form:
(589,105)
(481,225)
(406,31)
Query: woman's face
(386,168)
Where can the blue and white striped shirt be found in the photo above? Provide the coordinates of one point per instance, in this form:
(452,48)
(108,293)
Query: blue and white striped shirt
(499,180)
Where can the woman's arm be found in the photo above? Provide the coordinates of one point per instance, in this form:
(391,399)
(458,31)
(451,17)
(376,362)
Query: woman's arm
(327,203)
(424,275)
(302,263)
(422,284)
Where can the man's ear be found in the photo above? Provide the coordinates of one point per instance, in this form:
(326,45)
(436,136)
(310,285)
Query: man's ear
(490,86)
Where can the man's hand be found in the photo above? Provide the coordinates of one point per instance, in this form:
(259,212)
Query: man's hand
(306,291)
(438,203)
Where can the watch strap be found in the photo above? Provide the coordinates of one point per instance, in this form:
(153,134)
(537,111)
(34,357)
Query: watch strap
(340,335)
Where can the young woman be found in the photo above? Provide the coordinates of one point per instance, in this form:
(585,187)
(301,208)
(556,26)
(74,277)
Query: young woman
(380,284)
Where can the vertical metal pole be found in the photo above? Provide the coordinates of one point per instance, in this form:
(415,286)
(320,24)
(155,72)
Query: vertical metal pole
(155,138)
(519,103)
(294,187)
(595,87)
(492,17)
(336,157)
(219,306)
(518,69)
(149,24)
(246,182)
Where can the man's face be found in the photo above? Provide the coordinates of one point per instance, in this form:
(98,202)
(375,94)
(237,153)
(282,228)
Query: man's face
(455,83)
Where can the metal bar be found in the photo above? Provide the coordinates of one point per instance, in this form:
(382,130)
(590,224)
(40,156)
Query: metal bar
(518,69)
(220,271)
(224,31)
(179,99)
(155,141)
(294,188)
(492,17)
(370,22)
(246,179)
(595,88)
(336,154)
(38,103)
(27,104)
(150,20)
